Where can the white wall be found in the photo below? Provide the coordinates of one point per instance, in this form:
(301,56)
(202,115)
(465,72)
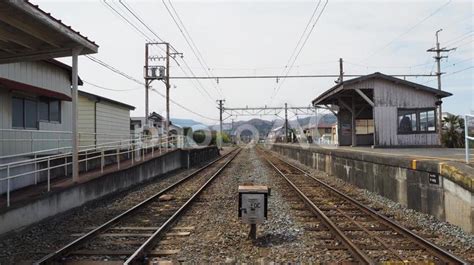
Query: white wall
(112,119)
(40,74)
(86,121)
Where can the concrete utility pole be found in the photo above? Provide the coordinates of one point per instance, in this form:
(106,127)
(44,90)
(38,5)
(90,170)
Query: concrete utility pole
(159,72)
(167,125)
(438,58)
(286,122)
(341,70)
(219,137)
(147,86)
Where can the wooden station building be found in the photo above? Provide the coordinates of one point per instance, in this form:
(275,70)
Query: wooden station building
(385,111)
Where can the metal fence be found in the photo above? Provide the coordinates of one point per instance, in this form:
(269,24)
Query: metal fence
(45,161)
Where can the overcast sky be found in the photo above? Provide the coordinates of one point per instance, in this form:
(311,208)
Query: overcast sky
(258,37)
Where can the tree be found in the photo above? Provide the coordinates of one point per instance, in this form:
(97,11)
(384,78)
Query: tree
(453,131)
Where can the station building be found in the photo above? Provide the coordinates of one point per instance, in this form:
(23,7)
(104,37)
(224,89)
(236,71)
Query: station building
(385,111)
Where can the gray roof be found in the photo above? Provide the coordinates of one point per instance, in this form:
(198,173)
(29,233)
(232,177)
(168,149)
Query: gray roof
(100,98)
(377,75)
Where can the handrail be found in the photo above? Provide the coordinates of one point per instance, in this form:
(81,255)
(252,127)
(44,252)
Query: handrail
(128,147)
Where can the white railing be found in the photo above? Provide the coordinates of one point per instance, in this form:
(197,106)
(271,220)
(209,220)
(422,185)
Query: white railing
(136,148)
(42,145)
(15,141)
(467,122)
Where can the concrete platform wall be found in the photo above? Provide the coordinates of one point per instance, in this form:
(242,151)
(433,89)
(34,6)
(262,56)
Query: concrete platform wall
(398,179)
(56,202)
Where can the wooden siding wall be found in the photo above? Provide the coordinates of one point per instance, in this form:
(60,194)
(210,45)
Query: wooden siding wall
(86,121)
(40,74)
(112,120)
(388,97)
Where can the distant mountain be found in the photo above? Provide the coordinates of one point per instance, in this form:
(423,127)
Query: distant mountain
(263,126)
(186,122)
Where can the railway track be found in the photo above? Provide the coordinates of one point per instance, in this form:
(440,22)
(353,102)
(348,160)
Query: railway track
(131,236)
(369,236)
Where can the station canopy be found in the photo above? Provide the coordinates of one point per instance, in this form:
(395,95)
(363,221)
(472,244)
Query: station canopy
(28,33)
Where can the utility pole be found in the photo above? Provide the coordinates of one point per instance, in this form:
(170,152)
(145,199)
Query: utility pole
(219,137)
(286,123)
(341,70)
(438,58)
(147,86)
(159,72)
(167,125)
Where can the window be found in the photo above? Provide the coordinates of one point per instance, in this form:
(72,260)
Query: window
(24,113)
(416,120)
(365,126)
(18,117)
(43,110)
(428,121)
(27,112)
(31,114)
(49,110)
(55,110)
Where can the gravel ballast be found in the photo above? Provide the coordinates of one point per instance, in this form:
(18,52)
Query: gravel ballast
(211,232)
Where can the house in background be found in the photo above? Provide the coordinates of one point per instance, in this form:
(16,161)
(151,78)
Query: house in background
(321,133)
(35,104)
(385,111)
(102,120)
(155,121)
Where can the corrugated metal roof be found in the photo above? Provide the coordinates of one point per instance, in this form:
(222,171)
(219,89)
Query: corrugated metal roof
(100,98)
(378,75)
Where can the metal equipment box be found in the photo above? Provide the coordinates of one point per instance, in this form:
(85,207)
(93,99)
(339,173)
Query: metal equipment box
(253,204)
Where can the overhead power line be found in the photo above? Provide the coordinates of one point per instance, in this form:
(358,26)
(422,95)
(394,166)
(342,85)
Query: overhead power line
(128,8)
(189,40)
(115,70)
(183,107)
(408,30)
(459,71)
(110,89)
(459,38)
(288,70)
(126,20)
(288,76)
(192,49)
(302,36)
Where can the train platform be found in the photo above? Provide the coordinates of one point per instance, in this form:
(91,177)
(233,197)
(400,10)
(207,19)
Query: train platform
(34,203)
(29,193)
(441,154)
(436,181)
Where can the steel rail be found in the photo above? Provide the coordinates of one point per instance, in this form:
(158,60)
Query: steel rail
(356,252)
(430,247)
(70,246)
(151,241)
